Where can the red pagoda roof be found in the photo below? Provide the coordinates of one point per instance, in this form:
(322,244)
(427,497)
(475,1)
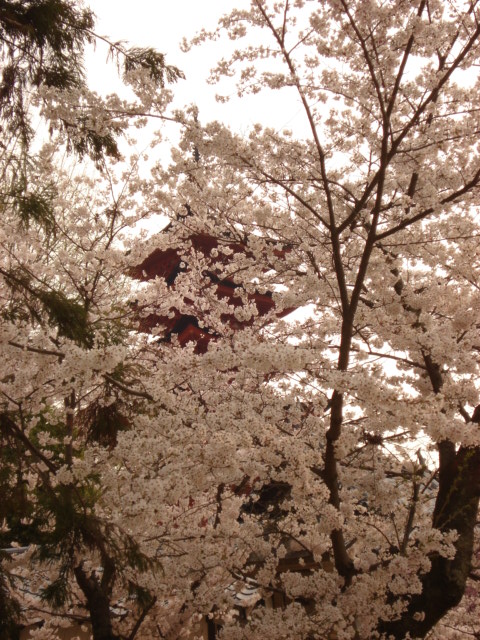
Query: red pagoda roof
(168,263)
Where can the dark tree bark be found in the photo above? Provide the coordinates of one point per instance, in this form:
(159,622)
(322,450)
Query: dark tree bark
(98,604)
(456,508)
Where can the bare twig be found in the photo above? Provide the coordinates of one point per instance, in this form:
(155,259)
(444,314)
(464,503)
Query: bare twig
(142,617)
(123,387)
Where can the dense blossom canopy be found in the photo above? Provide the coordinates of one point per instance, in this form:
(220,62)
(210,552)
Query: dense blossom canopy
(308,474)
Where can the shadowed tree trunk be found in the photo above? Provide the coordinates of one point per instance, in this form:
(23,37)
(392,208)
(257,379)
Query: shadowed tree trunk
(98,604)
(456,508)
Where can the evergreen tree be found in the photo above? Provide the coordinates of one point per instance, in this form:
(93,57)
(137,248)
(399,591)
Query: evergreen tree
(44,310)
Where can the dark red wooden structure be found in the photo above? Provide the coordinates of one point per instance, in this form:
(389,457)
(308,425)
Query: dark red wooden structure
(169,263)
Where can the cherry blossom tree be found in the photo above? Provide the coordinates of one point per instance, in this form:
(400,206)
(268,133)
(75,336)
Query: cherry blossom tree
(331,459)
(313,470)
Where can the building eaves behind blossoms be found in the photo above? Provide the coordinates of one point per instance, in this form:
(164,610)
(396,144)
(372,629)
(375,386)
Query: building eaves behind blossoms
(169,263)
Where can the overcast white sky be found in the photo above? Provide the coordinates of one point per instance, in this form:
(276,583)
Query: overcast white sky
(163,24)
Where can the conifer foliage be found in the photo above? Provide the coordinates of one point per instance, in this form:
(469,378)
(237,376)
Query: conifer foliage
(61,289)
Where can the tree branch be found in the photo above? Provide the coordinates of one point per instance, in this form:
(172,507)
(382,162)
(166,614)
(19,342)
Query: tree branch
(142,617)
(126,389)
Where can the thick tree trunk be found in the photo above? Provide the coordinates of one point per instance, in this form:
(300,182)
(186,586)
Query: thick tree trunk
(456,508)
(98,604)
